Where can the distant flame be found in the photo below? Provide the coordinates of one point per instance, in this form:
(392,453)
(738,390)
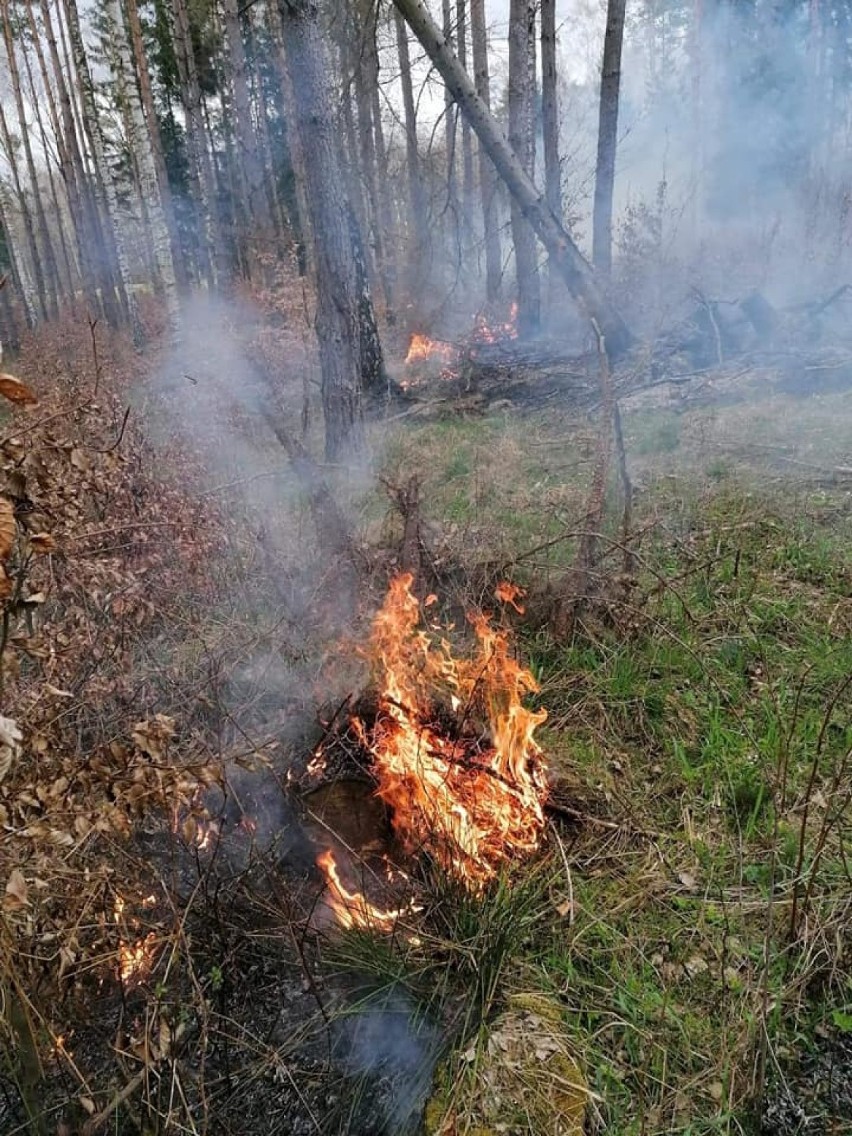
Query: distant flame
(485,332)
(472,804)
(422,348)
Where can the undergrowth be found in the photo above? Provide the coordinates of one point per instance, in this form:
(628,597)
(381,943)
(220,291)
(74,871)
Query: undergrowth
(676,960)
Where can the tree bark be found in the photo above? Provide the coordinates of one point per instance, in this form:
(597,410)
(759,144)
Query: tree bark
(467,143)
(34,296)
(47,261)
(154,135)
(99,210)
(258,230)
(419,245)
(576,270)
(487,174)
(607,137)
(149,187)
(210,245)
(522,141)
(340,325)
(550,113)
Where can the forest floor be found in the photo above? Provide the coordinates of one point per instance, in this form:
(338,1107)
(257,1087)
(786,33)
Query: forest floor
(677,957)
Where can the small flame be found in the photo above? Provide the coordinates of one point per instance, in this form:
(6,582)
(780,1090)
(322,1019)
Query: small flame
(485,332)
(422,348)
(510,594)
(351,908)
(135,959)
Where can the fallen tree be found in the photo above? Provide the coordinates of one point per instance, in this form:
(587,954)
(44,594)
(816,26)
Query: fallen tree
(574,268)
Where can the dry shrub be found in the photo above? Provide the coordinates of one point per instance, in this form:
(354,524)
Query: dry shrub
(91,541)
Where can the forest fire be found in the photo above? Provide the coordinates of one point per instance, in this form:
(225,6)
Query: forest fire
(351,908)
(485,332)
(452,746)
(422,348)
(135,959)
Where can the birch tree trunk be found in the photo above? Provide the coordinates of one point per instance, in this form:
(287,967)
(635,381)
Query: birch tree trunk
(522,141)
(607,137)
(152,122)
(35,298)
(575,269)
(340,325)
(487,174)
(99,210)
(47,261)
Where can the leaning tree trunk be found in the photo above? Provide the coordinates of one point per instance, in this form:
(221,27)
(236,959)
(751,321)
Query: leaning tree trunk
(487,173)
(522,141)
(607,136)
(341,296)
(575,269)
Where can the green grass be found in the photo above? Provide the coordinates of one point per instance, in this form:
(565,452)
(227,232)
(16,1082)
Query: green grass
(699,731)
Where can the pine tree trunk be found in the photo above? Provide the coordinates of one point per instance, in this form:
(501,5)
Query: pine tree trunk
(140,144)
(340,324)
(487,174)
(607,137)
(210,248)
(256,203)
(550,114)
(363,76)
(467,143)
(305,238)
(450,128)
(417,203)
(575,269)
(522,141)
(385,209)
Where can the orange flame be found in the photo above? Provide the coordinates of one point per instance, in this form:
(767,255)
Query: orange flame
(135,959)
(351,908)
(485,332)
(422,348)
(471,805)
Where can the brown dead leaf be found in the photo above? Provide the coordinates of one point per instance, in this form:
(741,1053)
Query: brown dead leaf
(5,584)
(16,391)
(8,528)
(42,543)
(16,891)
